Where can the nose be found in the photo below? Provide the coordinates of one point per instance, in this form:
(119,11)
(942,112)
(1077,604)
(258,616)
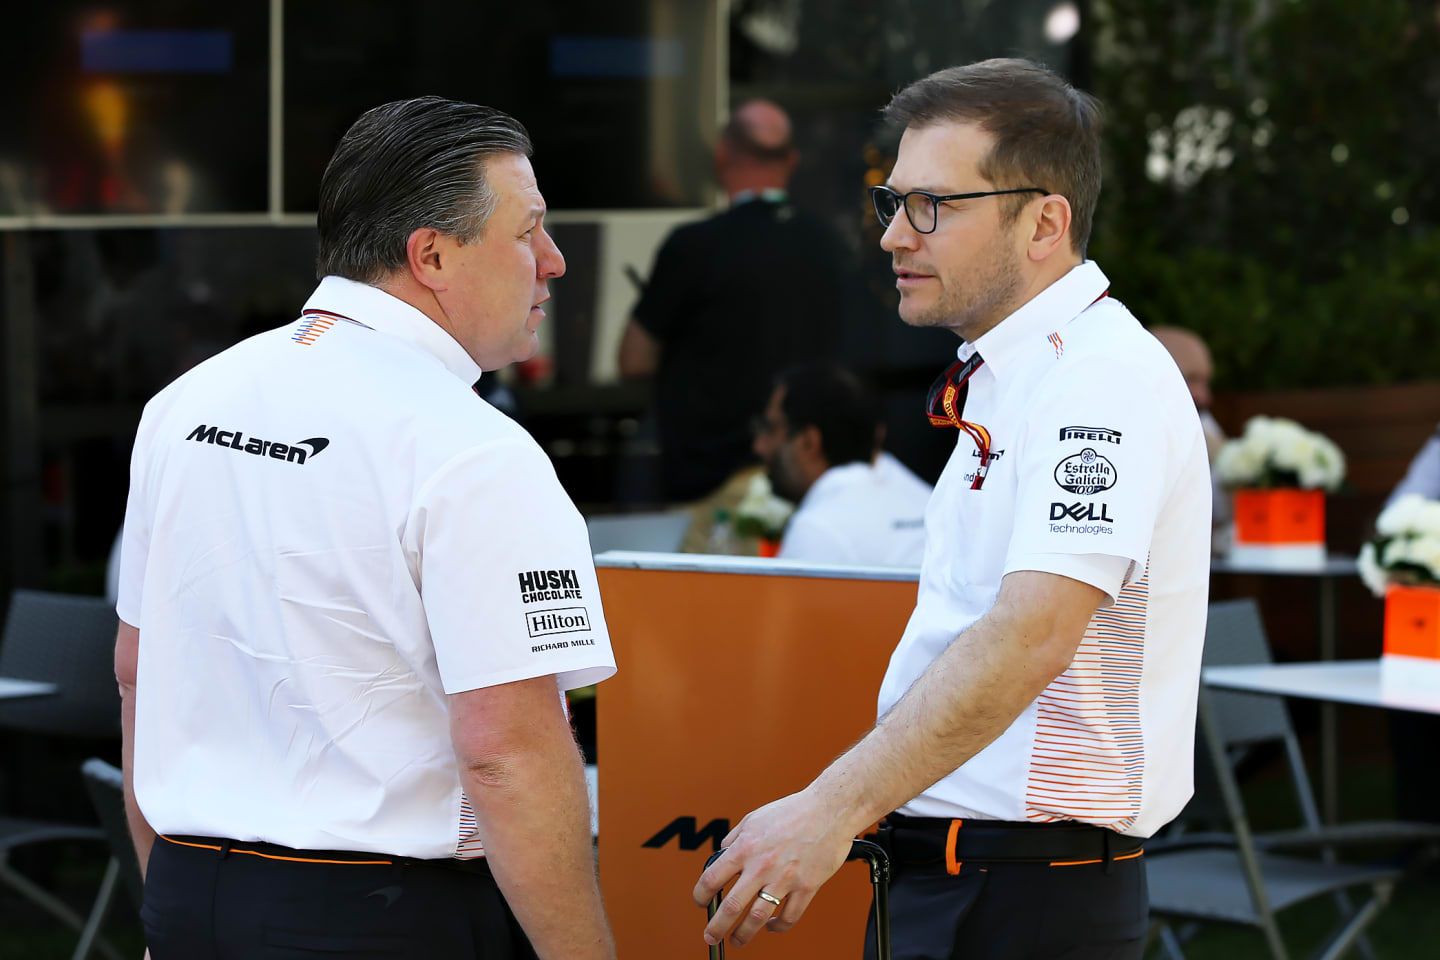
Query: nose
(549,261)
(900,235)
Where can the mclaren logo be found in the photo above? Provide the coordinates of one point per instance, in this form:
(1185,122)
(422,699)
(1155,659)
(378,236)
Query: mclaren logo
(297,452)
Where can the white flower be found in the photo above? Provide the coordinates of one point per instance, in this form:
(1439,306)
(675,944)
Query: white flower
(1403,517)
(1239,464)
(1424,551)
(1371,572)
(762,506)
(1274,444)
(1427,518)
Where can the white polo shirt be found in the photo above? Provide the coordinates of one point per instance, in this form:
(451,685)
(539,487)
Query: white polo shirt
(1100,475)
(861,513)
(327,533)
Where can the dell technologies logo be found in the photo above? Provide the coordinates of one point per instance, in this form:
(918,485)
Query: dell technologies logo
(235,440)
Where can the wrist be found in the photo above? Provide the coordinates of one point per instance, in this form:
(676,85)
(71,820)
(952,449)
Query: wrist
(846,802)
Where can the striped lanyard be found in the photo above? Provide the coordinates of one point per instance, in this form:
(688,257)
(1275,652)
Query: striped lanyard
(945,403)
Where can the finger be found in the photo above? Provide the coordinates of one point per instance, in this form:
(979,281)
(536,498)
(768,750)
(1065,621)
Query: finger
(759,913)
(717,875)
(794,906)
(735,832)
(733,908)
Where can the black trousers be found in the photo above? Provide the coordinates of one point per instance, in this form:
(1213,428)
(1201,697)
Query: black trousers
(1017,911)
(200,905)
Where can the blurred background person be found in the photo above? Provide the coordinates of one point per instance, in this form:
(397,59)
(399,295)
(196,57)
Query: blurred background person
(1423,475)
(1193,358)
(731,301)
(820,439)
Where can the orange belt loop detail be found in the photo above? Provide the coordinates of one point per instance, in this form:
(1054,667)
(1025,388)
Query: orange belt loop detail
(952,866)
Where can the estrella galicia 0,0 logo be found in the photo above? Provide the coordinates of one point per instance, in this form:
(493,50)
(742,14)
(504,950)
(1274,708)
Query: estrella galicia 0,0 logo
(1085,473)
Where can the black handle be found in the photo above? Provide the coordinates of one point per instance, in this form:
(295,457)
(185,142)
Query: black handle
(871,853)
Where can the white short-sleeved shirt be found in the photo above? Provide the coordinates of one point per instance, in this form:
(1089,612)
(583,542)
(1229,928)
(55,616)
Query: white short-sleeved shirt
(327,533)
(861,513)
(1100,475)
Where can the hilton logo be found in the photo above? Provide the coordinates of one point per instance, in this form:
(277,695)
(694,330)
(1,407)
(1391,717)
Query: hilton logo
(543,623)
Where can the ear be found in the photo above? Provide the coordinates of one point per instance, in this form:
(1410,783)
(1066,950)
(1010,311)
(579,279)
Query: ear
(791,162)
(808,443)
(1050,225)
(423,255)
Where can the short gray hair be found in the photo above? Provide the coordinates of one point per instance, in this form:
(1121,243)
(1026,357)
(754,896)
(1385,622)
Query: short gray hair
(406,165)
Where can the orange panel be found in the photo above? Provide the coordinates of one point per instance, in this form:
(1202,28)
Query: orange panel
(1279,516)
(1412,621)
(733,690)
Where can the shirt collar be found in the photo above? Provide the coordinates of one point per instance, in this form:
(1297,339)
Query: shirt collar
(388,314)
(1004,345)
(768,195)
(834,480)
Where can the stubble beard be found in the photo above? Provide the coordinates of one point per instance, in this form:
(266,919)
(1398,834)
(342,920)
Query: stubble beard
(982,302)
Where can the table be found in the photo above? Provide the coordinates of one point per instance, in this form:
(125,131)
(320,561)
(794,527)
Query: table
(1340,681)
(1336,566)
(11,689)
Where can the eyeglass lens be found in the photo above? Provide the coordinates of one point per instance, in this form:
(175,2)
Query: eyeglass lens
(918,207)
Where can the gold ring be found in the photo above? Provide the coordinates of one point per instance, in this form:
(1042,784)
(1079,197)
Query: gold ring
(769,898)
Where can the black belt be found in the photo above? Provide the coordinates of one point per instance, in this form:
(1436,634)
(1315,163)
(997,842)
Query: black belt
(928,840)
(274,851)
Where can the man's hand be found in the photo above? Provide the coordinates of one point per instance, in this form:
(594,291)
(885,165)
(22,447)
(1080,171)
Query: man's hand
(787,849)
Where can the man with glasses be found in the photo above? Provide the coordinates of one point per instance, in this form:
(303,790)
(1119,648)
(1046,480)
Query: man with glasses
(1037,716)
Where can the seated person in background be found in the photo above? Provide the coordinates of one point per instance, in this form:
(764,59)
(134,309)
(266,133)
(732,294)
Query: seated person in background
(1423,475)
(820,438)
(1193,358)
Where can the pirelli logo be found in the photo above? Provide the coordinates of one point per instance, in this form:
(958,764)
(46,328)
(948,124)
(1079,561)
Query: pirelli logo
(1103,434)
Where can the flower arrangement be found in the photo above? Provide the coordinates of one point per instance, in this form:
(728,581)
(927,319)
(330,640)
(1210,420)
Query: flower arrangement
(760,513)
(1406,551)
(1278,453)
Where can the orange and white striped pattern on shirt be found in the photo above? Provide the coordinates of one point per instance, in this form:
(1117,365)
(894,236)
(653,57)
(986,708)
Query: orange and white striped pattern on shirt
(1089,751)
(469,846)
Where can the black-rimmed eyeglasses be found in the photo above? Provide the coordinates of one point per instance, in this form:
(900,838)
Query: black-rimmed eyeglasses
(922,207)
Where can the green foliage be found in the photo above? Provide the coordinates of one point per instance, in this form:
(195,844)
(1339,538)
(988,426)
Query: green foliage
(1267,182)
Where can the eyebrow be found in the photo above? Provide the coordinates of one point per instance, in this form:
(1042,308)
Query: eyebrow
(938,191)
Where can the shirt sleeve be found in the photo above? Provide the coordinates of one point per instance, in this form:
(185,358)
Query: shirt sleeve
(1423,476)
(506,575)
(672,281)
(1092,473)
(808,539)
(134,537)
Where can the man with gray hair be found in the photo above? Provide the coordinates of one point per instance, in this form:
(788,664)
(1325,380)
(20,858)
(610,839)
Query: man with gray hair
(352,593)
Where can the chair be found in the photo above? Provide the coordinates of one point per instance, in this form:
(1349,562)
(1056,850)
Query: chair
(68,641)
(660,532)
(1243,878)
(106,786)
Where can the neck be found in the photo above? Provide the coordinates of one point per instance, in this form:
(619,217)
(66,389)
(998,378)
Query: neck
(755,181)
(402,286)
(1047,273)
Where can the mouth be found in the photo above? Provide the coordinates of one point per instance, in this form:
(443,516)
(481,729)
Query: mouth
(905,277)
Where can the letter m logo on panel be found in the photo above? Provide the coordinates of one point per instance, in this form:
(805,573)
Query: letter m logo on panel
(690,837)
